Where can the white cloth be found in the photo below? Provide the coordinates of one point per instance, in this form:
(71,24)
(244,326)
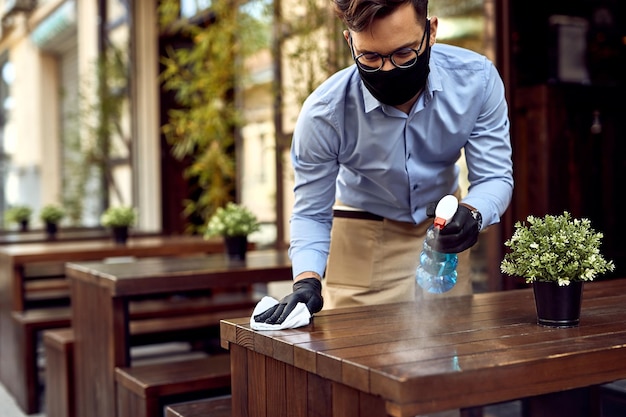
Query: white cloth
(300,316)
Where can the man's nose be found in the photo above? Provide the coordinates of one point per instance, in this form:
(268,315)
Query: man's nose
(387,65)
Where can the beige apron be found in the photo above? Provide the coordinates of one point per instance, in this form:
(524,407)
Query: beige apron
(374,262)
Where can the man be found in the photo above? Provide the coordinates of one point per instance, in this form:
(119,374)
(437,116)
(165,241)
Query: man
(378,141)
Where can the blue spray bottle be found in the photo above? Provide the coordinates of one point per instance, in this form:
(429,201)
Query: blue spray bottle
(437,271)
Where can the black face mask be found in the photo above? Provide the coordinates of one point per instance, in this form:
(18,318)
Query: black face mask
(399,85)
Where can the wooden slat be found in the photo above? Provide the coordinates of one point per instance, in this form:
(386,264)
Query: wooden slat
(179,323)
(296,390)
(49,284)
(321,390)
(161,275)
(44,269)
(59,375)
(276,379)
(94,373)
(370,405)
(188,304)
(210,407)
(239,378)
(257,383)
(345,398)
(176,377)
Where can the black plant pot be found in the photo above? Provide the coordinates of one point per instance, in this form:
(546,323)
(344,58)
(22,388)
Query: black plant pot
(236,247)
(120,234)
(51,230)
(558,306)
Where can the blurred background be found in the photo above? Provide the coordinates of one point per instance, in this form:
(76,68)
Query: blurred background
(176,106)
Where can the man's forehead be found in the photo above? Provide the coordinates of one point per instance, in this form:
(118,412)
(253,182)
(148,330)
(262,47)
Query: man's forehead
(364,41)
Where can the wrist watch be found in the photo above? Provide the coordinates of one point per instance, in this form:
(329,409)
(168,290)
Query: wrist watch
(478,217)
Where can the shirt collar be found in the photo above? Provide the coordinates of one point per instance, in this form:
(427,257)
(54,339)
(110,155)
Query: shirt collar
(369,100)
(434,78)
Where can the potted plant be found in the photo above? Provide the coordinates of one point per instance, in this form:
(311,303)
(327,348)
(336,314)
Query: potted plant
(51,215)
(234,223)
(19,214)
(556,254)
(119,219)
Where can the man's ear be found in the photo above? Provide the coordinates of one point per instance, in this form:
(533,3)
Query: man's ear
(346,35)
(433,30)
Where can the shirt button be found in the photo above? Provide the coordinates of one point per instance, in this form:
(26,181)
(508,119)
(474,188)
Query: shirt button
(415,187)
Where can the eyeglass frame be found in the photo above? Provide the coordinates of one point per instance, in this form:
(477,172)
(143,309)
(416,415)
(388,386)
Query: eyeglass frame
(390,56)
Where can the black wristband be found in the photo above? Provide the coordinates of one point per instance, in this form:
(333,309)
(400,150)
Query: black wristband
(313,282)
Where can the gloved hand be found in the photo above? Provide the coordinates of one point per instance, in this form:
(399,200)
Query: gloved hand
(459,234)
(307,291)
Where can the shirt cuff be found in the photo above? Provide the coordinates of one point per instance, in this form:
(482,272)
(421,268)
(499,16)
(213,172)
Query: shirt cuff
(308,260)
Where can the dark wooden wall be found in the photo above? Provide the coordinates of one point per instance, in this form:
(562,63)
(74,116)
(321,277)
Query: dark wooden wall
(568,136)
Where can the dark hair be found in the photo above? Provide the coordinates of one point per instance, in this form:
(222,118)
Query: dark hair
(359,14)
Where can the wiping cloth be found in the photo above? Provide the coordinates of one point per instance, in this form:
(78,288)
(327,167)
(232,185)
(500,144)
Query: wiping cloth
(300,316)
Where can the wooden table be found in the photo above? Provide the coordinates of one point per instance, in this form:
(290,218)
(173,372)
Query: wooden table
(408,359)
(101,294)
(16,258)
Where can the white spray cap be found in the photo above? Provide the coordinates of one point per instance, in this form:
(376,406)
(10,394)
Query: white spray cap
(445,210)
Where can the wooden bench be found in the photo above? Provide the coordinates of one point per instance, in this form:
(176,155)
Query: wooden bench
(59,375)
(46,292)
(143,391)
(183,318)
(208,407)
(27,327)
(32,276)
(612,398)
(45,285)
(179,317)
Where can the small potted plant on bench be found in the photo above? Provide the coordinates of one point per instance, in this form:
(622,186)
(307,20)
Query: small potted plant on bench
(51,215)
(19,214)
(119,219)
(234,223)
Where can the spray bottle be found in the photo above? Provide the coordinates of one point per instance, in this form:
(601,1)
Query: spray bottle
(437,271)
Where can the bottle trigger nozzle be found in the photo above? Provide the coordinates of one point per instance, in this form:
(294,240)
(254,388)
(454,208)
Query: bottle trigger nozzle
(445,210)
(440,222)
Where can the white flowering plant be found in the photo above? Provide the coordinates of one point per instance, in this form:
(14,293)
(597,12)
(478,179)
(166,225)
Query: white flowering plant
(555,248)
(232,220)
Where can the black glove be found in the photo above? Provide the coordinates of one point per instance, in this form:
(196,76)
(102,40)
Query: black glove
(307,291)
(460,233)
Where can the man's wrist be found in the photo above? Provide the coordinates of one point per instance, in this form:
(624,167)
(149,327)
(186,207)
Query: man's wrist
(476,215)
(307,274)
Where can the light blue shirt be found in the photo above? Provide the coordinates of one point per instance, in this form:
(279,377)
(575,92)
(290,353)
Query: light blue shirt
(349,146)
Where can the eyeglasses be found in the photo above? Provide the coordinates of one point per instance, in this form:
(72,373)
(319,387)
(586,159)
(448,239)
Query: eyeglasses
(400,58)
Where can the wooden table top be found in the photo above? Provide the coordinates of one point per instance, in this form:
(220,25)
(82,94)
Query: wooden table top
(106,247)
(161,275)
(453,352)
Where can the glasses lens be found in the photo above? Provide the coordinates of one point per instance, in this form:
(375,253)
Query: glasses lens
(370,61)
(404,58)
